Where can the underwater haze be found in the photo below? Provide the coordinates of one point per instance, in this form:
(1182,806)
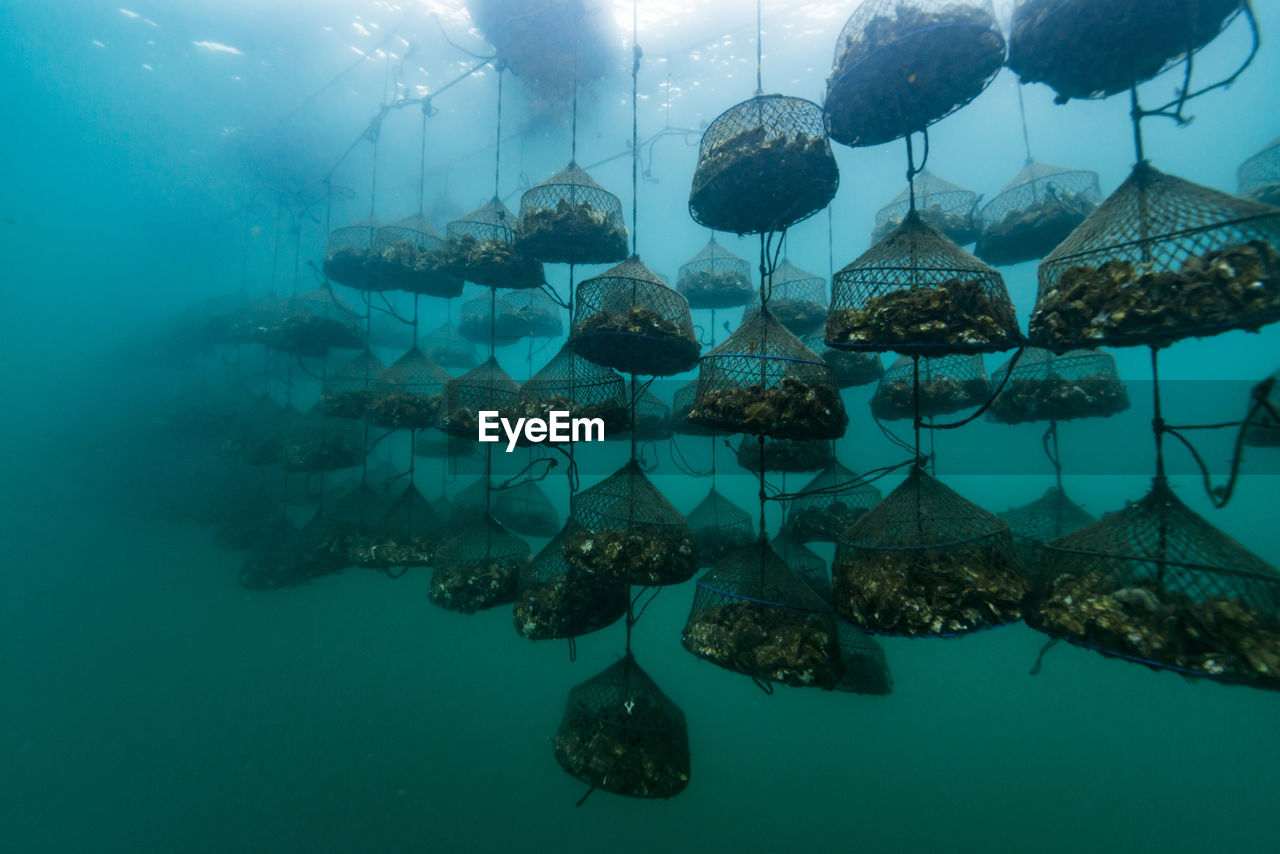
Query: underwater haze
(167,155)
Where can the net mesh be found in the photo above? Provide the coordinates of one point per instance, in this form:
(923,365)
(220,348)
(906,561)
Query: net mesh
(1035,212)
(1156,583)
(796,297)
(829,504)
(554,600)
(866,669)
(487,387)
(346,251)
(478,569)
(715,278)
(623,528)
(480,248)
(804,562)
(947,207)
(447,348)
(927,562)
(525,509)
(719,527)
(406,534)
(1259,176)
(849,369)
(682,404)
(653,418)
(785,455)
(286,556)
(629,320)
(406,256)
(762,380)
(409,394)
(584,389)
(1160,260)
(347,392)
(947,384)
(1047,387)
(1048,517)
(1102,47)
(621,734)
(901,65)
(763,165)
(310,324)
(570,219)
(315,443)
(919,293)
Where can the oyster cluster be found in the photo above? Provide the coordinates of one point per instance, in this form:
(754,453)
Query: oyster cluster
(757,181)
(571,233)
(894,400)
(960,226)
(345,265)
(404,410)
(1237,287)
(942,590)
(475,585)
(1031,232)
(716,288)
(640,760)
(360,545)
(792,409)
(647,556)
(302,333)
(910,67)
(667,350)
(772,642)
(714,543)
(346,404)
(315,452)
(957,314)
(406,266)
(493,263)
(800,316)
(1057,398)
(1219,637)
(568,607)
(824,522)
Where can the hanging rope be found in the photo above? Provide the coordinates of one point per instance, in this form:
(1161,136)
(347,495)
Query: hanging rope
(577,36)
(913,169)
(636,53)
(759,52)
(1022,114)
(497,147)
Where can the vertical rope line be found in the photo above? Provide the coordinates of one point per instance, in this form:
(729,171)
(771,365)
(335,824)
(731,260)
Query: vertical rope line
(1022,113)
(831,251)
(275,251)
(373,177)
(633,416)
(759,52)
(297,250)
(635,128)
(915,400)
(911,175)
(244,256)
(422,160)
(497,146)
(1135,115)
(763,534)
(577,37)
(493,321)
(1157,419)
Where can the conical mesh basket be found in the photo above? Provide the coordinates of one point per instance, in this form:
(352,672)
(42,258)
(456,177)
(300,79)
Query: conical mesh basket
(346,393)
(849,368)
(448,349)
(1046,387)
(409,394)
(314,443)
(406,256)
(829,505)
(570,219)
(525,509)
(478,568)
(1035,212)
(480,248)
(407,534)
(487,388)
(1259,176)
(286,556)
(554,600)
(312,324)
(1160,260)
(866,669)
(719,527)
(949,208)
(715,278)
(570,383)
(785,455)
(796,297)
(346,251)
(946,384)
(1048,517)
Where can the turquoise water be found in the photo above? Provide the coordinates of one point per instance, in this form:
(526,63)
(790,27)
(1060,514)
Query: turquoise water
(152,704)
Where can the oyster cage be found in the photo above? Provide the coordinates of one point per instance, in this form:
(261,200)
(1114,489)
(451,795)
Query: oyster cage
(311,324)
(1035,212)
(519,315)
(925,562)
(346,251)
(406,256)
(570,219)
(682,405)
(866,669)
(314,443)
(653,418)
(804,562)
(1046,387)
(629,320)
(762,380)
(487,387)
(623,528)
(480,248)
(1157,584)
(949,208)
(1259,176)
(796,297)
(1092,50)
(715,278)
(407,534)
(1160,260)
(829,505)
(448,349)
(901,65)
(1050,516)
(478,569)
(554,600)
(849,368)
(347,392)
(947,384)
(583,388)
(785,455)
(753,615)
(719,527)
(408,395)
(525,509)
(763,165)
(918,293)
(621,734)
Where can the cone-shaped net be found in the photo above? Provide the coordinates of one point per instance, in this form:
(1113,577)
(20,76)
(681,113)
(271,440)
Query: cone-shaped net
(488,387)
(570,383)
(629,320)
(406,256)
(360,505)
(949,208)
(525,509)
(448,349)
(478,568)
(866,670)
(763,165)
(389,332)
(570,219)
(1035,212)
(1050,516)
(480,248)
(797,298)
(715,278)
(621,734)
(554,600)
(849,368)
(785,455)
(623,528)
(804,562)
(947,384)
(1160,260)
(926,562)
(286,557)
(1157,584)
(917,292)
(346,393)
(683,401)
(653,418)
(1264,427)
(529,314)
(346,251)
(312,324)
(409,394)
(829,505)
(753,615)
(719,527)
(1045,387)
(1259,176)
(901,65)
(407,534)
(314,443)
(762,380)
(1096,48)
(257,437)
